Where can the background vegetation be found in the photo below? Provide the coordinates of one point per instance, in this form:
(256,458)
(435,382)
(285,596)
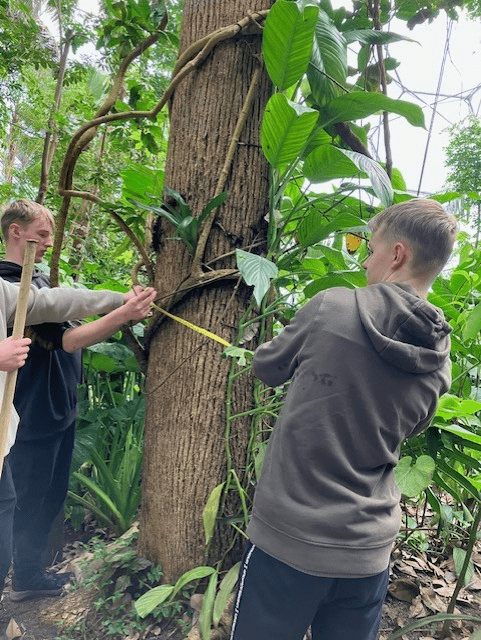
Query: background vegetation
(100,117)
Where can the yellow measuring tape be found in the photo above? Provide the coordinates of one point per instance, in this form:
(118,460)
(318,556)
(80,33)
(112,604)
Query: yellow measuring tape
(194,327)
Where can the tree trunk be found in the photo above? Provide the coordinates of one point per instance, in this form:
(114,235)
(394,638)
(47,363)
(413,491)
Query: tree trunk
(185,427)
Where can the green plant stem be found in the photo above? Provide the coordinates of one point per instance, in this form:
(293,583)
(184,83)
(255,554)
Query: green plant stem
(462,574)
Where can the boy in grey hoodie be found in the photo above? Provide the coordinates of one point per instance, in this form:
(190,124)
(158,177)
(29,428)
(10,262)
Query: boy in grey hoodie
(367,367)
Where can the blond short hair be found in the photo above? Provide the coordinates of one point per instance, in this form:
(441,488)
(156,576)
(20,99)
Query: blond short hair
(425,226)
(23,212)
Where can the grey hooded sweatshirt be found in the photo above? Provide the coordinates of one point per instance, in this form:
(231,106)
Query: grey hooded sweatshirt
(367,368)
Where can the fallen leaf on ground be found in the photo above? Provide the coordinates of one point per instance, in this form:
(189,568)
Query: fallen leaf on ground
(13,630)
(404,589)
(432,600)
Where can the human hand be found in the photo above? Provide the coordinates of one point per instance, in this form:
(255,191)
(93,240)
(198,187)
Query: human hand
(137,303)
(13,353)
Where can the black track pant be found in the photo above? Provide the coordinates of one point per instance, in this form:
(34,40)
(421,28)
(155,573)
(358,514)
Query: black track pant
(7,508)
(40,470)
(276,602)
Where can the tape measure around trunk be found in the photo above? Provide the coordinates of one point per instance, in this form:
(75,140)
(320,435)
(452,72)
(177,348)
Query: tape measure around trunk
(194,327)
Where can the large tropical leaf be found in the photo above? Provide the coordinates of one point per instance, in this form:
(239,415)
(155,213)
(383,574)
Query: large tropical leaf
(286,127)
(256,271)
(138,181)
(328,65)
(473,323)
(328,163)
(315,228)
(287,41)
(370,36)
(412,479)
(379,179)
(349,279)
(360,104)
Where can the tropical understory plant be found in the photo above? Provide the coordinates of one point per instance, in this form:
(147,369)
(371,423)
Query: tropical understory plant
(324,188)
(107,463)
(305,127)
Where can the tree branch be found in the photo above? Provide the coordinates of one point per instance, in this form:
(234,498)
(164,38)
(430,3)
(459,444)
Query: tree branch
(207,226)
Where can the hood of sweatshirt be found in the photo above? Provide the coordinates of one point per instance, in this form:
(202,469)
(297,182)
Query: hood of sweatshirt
(407,331)
(9,269)
(12,272)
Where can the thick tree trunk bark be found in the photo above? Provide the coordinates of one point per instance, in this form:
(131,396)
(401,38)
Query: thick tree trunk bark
(185,444)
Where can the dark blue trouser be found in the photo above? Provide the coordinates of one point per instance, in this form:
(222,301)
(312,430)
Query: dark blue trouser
(7,508)
(40,470)
(276,602)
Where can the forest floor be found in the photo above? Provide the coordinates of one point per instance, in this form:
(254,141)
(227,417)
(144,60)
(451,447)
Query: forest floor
(421,585)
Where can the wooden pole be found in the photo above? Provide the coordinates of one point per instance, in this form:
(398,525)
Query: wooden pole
(17,333)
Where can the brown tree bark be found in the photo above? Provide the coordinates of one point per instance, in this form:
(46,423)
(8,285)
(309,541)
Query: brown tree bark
(185,426)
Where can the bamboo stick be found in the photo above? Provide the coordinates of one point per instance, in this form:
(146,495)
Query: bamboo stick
(17,333)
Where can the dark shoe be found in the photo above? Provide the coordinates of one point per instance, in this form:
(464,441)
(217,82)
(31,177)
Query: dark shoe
(39,585)
(62,578)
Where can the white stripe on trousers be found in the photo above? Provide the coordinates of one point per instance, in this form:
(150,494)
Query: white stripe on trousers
(239,594)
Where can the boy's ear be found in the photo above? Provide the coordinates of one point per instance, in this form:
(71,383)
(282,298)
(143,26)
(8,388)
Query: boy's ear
(401,254)
(13,231)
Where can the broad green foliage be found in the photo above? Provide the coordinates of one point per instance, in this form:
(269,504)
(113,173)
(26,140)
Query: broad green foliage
(287,41)
(357,105)
(412,479)
(328,163)
(286,130)
(327,69)
(320,191)
(256,271)
(463,158)
(107,458)
(147,603)
(187,226)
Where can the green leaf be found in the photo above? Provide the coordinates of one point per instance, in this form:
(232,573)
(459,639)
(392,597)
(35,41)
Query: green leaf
(314,227)
(100,362)
(370,36)
(99,493)
(411,480)
(459,479)
(259,457)
(139,180)
(256,271)
(328,163)
(194,574)
(451,407)
(84,443)
(359,104)
(379,179)
(287,41)
(151,599)
(205,617)
(330,281)
(286,127)
(466,435)
(335,257)
(459,557)
(473,323)
(241,354)
(184,208)
(213,204)
(225,590)
(430,620)
(209,515)
(328,65)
